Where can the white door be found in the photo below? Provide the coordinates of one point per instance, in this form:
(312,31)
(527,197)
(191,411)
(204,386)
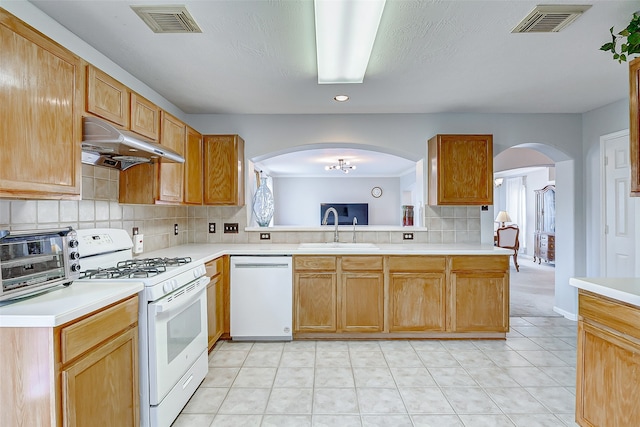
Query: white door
(619,212)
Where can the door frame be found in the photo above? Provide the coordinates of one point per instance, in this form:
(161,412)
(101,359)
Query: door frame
(603,195)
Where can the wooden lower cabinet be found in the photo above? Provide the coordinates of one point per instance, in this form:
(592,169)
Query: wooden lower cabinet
(79,374)
(361,294)
(215,300)
(99,388)
(417,293)
(608,369)
(479,293)
(415,296)
(315,294)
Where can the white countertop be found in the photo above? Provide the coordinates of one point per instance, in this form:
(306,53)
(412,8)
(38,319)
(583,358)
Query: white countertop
(621,289)
(64,304)
(206,252)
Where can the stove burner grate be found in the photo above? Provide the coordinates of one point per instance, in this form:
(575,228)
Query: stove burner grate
(154,262)
(122,272)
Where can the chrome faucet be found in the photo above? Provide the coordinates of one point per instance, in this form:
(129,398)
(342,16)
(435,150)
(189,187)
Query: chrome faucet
(355,222)
(335,217)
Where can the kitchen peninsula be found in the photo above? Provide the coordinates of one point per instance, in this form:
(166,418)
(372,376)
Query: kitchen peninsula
(379,291)
(608,370)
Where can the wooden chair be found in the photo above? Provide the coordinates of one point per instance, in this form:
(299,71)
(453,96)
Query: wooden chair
(508,238)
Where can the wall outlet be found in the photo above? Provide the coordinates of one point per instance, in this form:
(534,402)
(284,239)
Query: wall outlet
(265,236)
(407,236)
(212,227)
(231,227)
(135,231)
(175,229)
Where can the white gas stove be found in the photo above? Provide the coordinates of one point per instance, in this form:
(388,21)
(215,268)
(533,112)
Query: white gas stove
(172,321)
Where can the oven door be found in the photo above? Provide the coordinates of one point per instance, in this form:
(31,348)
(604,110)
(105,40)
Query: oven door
(177,336)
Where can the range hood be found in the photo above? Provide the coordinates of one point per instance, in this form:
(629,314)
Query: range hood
(106,145)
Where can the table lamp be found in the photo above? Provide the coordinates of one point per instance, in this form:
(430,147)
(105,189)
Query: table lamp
(503,217)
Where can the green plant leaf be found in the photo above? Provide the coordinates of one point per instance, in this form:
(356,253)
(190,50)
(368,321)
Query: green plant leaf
(607,47)
(634,38)
(623,47)
(623,57)
(624,33)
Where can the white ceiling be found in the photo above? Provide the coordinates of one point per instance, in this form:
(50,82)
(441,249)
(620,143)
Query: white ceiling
(311,163)
(430,56)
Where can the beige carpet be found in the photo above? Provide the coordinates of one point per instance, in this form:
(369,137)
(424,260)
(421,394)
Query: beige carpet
(532,289)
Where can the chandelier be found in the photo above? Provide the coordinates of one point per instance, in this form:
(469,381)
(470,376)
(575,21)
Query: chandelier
(343,165)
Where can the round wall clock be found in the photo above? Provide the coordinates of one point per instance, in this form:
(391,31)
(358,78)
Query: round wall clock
(376,192)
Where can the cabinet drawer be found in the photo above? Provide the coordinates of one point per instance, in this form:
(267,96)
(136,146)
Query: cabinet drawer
(361,263)
(81,336)
(417,263)
(214,267)
(324,263)
(616,315)
(480,262)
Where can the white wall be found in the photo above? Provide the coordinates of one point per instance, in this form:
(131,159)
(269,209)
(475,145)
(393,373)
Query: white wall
(297,200)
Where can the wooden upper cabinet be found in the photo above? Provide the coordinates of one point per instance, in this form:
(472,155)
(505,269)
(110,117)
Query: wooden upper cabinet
(170,174)
(460,170)
(107,97)
(145,117)
(223,170)
(634,125)
(193,168)
(40,106)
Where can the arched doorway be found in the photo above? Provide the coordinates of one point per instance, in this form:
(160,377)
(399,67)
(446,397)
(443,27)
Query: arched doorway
(531,155)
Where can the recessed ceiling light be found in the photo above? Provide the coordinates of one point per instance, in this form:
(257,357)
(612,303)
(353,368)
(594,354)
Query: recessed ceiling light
(341,98)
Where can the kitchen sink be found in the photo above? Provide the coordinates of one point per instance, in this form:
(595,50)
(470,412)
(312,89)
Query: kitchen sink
(329,246)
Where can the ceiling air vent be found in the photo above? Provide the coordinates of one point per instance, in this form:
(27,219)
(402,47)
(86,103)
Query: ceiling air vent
(167,19)
(550,18)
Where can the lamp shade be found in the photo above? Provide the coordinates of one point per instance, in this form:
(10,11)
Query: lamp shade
(503,217)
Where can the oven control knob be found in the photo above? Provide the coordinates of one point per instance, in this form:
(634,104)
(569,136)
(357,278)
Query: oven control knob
(75,267)
(174,284)
(167,287)
(73,243)
(74,255)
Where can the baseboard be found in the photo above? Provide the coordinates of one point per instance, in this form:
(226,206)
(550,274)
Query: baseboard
(566,314)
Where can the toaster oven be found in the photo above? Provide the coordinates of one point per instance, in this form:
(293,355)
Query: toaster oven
(34,261)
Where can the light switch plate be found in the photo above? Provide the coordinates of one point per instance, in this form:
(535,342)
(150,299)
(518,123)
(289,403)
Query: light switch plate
(231,227)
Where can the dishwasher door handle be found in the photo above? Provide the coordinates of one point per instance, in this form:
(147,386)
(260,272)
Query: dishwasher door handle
(260,265)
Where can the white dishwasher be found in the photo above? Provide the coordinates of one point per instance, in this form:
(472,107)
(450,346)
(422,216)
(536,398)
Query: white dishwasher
(261,298)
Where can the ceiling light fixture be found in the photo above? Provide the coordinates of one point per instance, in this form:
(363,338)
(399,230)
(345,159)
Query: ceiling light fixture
(341,98)
(343,165)
(345,32)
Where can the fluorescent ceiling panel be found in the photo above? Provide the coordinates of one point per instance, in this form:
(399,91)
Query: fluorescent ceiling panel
(345,32)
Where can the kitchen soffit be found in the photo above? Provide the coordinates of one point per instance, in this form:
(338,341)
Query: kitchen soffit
(429,57)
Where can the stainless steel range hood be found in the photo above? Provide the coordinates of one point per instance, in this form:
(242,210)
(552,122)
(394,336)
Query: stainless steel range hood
(105,145)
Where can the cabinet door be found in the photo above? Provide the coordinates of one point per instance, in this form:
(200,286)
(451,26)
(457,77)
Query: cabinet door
(417,302)
(145,117)
(170,174)
(214,314)
(362,298)
(102,387)
(40,107)
(480,301)
(634,125)
(193,168)
(315,302)
(223,170)
(608,375)
(450,154)
(107,97)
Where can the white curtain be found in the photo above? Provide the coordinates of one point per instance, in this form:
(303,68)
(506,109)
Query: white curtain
(516,203)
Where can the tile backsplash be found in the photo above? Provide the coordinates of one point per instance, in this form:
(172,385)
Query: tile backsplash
(99,208)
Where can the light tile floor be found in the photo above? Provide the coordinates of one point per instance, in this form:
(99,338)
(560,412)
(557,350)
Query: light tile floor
(527,380)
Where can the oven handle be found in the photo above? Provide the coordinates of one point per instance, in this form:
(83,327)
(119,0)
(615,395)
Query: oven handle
(165,305)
